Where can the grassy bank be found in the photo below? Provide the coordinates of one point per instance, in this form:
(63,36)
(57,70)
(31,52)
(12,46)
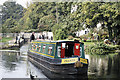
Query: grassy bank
(6,39)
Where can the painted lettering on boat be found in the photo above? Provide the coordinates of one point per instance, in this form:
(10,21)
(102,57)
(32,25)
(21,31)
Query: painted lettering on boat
(70,60)
(83,60)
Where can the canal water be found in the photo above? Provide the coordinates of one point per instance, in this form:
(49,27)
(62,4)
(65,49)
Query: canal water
(105,66)
(14,64)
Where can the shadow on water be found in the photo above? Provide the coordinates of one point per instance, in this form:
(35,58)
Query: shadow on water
(64,77)
(56,76)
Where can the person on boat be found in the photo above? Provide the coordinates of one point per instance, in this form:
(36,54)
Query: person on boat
(32,37)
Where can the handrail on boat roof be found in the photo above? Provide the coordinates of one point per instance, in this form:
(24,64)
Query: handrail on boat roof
(59,41)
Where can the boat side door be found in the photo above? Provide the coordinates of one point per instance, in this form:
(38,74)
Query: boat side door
(77,49)
(62,50)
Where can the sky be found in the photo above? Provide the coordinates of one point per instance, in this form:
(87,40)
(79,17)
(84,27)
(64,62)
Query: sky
(24,2)
(21,2)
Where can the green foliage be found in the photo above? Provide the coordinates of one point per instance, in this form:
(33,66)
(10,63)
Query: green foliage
(108,13)
(39,16)
(57,17)
(46,16)
(11,9)
(59,32)
(46,23)
(8,25)
(11,13)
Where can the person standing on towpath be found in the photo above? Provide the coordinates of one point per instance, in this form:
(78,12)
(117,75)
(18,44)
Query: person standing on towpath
(32,37)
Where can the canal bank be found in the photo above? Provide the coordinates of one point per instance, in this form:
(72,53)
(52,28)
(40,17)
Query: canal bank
(12,45)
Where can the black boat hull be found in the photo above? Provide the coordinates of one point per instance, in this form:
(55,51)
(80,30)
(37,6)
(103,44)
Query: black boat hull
(51,65)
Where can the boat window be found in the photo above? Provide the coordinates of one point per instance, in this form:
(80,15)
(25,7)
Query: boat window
(50,50)
(44,46)
(77,49)
(33,47)
(36,47)
(39,48)
(59,51)
(63,45)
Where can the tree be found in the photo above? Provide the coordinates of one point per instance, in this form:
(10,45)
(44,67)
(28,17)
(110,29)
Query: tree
(11,10)
(108,13)
(11,13)
(8,24)
(46,23)
(57,17)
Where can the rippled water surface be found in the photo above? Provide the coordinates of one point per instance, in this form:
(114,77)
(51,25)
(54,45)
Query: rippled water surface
(14,64)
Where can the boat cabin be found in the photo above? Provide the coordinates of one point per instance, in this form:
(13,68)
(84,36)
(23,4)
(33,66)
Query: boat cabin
(58,49)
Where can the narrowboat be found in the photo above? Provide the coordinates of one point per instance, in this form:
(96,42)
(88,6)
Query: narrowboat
(62,57)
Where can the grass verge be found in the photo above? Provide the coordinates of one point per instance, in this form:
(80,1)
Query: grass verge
(6,39)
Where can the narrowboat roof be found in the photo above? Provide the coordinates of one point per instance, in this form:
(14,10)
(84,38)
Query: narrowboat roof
(59,41)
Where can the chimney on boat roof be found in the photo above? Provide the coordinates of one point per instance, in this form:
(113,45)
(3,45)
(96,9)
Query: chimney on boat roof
(76,40)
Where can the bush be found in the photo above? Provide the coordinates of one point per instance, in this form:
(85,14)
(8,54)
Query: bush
(100,49)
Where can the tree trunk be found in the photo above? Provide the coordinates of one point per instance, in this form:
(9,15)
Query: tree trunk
(115,32)
(110,31)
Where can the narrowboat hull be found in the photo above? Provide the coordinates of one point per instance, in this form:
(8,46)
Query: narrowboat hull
(55,66)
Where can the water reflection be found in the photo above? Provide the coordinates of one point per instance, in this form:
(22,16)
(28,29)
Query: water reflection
(104,66)
(10,60)
(16,65)
(116,64)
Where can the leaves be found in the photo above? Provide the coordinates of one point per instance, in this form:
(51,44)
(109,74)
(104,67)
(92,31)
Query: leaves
(12,12)
(57,17)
